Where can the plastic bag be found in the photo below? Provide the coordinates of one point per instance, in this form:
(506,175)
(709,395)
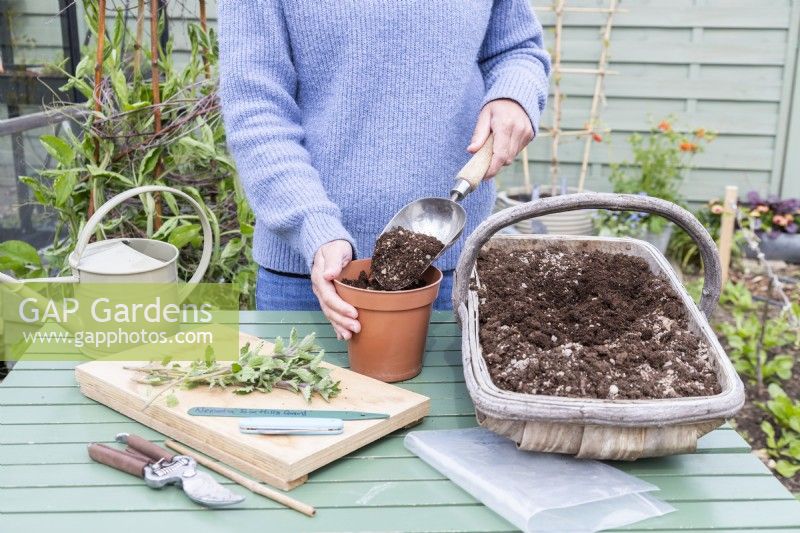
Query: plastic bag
(537,491)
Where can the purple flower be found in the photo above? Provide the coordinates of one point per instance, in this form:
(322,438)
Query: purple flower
(756,224)
(791,228)
(773,234)
(787,206)
(754,198)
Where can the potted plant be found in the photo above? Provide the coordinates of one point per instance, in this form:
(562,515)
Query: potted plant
(774,220)
(660,162)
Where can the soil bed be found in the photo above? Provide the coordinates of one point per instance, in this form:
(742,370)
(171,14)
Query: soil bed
(401,257)
(587,324)
(748,423)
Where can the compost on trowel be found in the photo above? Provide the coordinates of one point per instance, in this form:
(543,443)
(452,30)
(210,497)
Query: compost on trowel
(402,257)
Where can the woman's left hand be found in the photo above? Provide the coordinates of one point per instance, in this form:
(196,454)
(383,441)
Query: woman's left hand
(512,132)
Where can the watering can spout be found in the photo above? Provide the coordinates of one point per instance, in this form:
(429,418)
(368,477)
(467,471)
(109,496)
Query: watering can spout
(18,284)
(19,287)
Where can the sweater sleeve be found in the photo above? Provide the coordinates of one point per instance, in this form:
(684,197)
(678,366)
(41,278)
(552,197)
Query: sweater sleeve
(258,84)
(513,60)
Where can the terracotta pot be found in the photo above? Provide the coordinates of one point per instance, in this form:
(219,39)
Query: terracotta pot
(394,325)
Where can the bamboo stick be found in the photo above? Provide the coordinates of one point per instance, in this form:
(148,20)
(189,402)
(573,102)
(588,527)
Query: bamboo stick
(726,229)
(98,79)
(204,26)
(558,7)
(565,133)
(526,170)
(154,84)
(761,361)
(602,63)
(137,44)
(567,70)
(582,9)
(246,482)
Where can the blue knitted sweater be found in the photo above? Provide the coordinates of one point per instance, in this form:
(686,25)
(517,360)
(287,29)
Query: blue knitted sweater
(339,112)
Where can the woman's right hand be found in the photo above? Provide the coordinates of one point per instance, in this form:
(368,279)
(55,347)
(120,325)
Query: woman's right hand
(329,261)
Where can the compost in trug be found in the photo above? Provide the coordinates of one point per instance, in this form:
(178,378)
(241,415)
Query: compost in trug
(587,324)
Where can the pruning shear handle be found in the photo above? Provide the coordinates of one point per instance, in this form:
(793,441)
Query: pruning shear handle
(159,468)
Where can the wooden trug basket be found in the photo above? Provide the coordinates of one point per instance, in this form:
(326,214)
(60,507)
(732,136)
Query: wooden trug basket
(588,427)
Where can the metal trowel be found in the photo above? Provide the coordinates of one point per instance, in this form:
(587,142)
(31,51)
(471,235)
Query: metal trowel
(443,218)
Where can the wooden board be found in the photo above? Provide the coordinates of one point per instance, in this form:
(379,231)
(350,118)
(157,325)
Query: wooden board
(280,460)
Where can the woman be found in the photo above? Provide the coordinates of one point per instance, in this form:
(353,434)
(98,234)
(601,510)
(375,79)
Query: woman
(339,112)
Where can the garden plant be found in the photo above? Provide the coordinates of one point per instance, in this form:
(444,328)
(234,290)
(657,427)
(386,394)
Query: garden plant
(661,159)
(138,131)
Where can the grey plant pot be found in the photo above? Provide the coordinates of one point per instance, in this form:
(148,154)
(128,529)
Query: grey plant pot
(660,240)
(784,247)
(577,222)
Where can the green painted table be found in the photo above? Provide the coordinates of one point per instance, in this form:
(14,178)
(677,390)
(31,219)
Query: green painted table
(48,482)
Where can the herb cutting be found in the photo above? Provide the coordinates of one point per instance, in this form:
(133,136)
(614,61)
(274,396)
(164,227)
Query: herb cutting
(293,366)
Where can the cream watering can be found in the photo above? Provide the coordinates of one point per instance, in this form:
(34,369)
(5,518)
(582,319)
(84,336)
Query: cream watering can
(151,263)
(128,260)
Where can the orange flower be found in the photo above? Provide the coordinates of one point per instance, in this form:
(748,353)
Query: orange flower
(687,146)
(664,125)
(597,137)
(755,213)
(762,208)
(717,209)
(789,217)
(700,133)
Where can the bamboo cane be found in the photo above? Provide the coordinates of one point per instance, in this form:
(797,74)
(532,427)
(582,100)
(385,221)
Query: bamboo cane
(154,84)
(526,170)
(96,96)
(567,70)
(565,133)
(250,484)
(555,131)
(726,230)
(204,51)
(602,63)
(581,9)
(137,44)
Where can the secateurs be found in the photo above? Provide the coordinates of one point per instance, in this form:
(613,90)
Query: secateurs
(159,468)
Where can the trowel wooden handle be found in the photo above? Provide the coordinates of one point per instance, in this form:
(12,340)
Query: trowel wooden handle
(475,169)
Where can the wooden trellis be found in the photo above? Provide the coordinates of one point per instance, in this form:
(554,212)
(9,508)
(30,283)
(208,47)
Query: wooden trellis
(591,128)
